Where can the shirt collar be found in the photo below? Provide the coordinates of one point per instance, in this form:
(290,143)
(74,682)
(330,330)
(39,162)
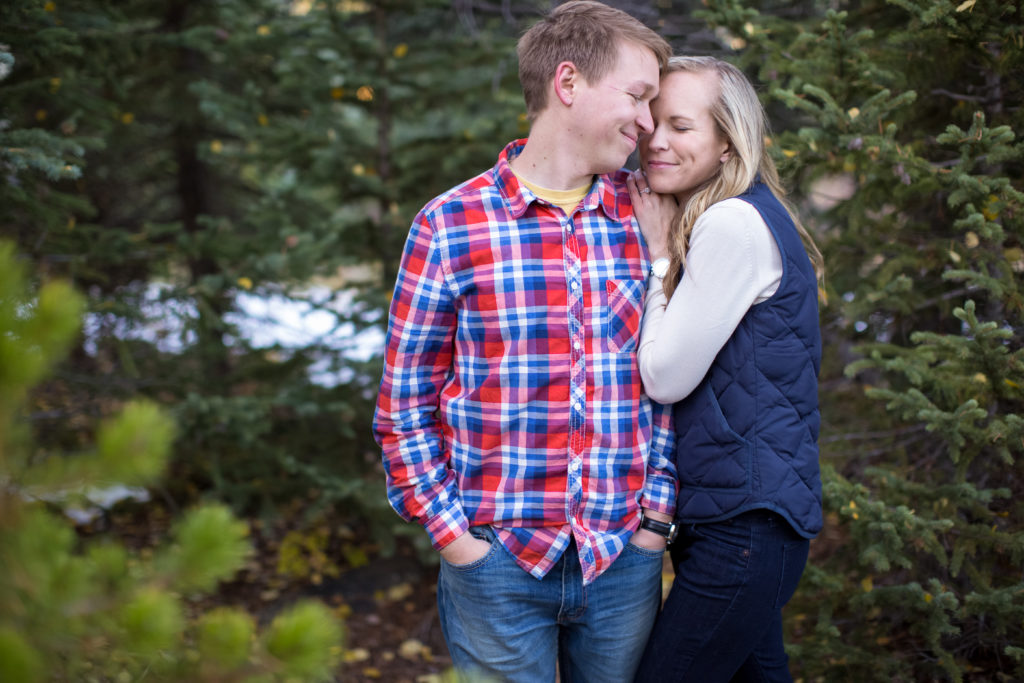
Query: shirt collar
(603,192)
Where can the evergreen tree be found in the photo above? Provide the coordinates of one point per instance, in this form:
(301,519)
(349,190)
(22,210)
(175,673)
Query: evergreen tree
(344,119)
(898,123)
(78,609)
(214,155)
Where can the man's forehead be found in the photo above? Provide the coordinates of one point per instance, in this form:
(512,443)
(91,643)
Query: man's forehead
(635,53)
(637,66)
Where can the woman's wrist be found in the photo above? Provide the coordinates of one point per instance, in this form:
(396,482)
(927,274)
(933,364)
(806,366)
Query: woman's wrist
(657,248)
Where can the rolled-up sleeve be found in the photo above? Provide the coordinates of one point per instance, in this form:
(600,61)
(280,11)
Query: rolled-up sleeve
(661,484)
(421,487)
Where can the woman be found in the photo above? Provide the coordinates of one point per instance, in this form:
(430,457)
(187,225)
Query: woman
(730,338)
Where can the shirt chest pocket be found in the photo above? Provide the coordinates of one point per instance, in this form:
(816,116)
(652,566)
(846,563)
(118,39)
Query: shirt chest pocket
(624,306)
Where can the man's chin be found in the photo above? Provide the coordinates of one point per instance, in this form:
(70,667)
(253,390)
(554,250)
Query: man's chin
(612,165)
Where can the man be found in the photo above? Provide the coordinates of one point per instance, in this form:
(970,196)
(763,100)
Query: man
(511,413)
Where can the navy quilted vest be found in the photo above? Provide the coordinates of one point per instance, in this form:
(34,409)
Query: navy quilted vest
(748,434)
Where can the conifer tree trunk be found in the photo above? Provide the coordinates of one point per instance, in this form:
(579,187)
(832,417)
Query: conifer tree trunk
(194,193)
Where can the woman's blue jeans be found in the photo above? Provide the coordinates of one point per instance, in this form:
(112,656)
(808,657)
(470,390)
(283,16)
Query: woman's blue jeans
(722,620)
(500,621)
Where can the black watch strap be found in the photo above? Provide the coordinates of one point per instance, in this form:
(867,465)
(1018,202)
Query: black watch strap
(666,529)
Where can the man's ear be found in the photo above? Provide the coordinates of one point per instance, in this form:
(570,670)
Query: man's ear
(566,79)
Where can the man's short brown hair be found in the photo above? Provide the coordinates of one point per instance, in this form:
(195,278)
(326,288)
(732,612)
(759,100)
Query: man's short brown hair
(586,33)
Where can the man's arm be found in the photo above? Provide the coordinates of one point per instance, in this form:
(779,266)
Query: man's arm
(661,485)
(421,486)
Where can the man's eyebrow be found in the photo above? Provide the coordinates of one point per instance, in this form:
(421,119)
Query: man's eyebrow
(641,86)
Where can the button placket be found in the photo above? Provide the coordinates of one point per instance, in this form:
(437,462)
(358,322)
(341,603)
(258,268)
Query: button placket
(577,375)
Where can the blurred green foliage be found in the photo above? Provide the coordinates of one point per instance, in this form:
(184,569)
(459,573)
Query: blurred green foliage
(75,610)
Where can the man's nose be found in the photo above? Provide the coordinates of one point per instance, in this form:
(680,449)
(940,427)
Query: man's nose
(644,120)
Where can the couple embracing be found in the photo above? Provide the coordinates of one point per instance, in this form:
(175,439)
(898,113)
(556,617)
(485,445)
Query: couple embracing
(585,366)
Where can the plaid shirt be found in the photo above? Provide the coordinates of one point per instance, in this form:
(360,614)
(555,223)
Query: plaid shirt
(511,394)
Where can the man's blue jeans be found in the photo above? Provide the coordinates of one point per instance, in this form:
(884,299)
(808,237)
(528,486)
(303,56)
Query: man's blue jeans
(722,620)
(500,621)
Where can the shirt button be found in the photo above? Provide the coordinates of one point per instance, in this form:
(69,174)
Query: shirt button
(574,285)
(576,345)
(578,406)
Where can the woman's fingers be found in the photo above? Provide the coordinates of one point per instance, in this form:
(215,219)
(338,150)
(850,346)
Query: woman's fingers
(634,191)
(637,184)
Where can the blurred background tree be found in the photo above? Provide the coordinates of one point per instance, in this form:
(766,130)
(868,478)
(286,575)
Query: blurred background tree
(229,184)
(244,157)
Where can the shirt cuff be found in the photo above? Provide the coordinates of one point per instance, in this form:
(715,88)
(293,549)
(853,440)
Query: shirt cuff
(446,526)
(659,494)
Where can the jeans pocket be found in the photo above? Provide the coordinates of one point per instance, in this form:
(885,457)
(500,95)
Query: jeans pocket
(718,555)
(732,534)
(645,552)
(622,315)
(477,532)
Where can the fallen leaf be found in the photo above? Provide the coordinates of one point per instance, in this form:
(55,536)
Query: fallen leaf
(399,592)
(359,654)
(411,649)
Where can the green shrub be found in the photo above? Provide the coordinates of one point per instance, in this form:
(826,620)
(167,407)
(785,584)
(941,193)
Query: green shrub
(84,609)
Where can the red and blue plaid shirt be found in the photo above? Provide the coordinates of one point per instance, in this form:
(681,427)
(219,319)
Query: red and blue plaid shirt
(511,394)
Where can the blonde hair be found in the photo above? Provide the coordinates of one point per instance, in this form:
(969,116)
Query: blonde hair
(583,32)
(742,121)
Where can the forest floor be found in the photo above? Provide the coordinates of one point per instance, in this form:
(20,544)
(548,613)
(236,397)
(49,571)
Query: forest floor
(388,604)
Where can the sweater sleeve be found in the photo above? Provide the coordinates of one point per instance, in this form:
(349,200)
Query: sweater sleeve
(733,263)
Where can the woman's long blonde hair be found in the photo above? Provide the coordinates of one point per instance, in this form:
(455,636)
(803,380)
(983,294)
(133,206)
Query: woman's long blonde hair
(742,120)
